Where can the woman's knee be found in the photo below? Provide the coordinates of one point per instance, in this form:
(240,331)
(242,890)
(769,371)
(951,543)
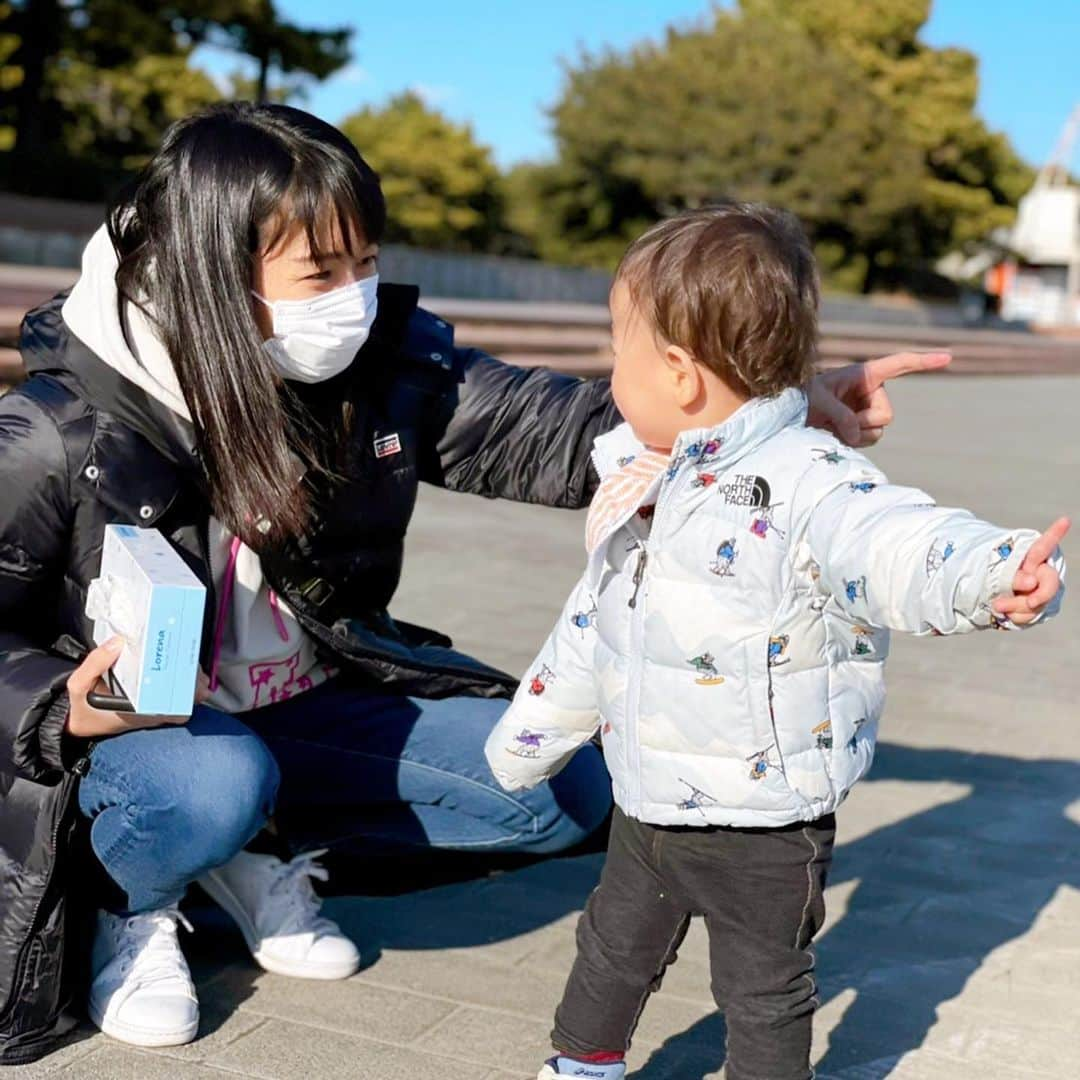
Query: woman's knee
(233,794)
(209,785)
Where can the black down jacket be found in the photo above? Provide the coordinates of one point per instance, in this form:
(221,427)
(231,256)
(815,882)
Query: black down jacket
(80,447)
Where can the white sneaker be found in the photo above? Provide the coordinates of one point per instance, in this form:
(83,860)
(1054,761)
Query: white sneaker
(142,991)
(277,911)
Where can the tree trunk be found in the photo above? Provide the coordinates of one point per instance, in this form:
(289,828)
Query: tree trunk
(264,71)
(871,278)
(40,33)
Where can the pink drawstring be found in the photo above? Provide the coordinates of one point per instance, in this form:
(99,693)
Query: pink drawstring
(223,607)
(279,621)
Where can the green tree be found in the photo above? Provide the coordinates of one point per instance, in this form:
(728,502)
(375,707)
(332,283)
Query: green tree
(736,109)
(970,178)
(90,85)
(255,28)
(442,187)
(10,77)
(114,117)
(831,108)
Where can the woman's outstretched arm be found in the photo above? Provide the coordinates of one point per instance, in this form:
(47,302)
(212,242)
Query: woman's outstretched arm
(526,433)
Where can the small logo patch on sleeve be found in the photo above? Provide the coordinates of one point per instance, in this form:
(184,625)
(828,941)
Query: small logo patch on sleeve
(387,446)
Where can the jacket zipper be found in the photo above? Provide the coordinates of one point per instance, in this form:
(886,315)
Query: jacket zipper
(637,643)
(80,768)
(639,574)
(633,690)
(28,941)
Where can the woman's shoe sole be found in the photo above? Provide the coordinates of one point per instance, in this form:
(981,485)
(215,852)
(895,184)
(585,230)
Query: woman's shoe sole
(324,972)
(221,895)
(137,1036)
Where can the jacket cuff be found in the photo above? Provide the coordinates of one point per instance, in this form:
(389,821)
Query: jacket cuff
(59,749)
(1000,579)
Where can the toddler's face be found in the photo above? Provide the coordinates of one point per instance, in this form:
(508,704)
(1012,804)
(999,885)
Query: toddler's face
(642,391)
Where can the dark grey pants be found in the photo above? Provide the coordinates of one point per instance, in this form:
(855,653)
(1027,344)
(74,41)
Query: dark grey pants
(760,891)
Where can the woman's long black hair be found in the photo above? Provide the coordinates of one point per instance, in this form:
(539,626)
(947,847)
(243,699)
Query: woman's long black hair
(187,232)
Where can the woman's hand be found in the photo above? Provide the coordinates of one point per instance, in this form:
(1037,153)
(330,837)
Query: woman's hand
(851,401)
(86,722)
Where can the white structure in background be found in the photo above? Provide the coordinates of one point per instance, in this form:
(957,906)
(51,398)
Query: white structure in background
(1043,287)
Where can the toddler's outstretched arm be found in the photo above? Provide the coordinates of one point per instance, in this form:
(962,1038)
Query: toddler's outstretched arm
(554,711)
(892,558)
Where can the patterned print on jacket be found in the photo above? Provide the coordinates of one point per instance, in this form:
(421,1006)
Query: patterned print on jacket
(732,656)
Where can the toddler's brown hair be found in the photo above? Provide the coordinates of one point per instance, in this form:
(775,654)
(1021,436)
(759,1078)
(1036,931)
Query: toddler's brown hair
(734,284)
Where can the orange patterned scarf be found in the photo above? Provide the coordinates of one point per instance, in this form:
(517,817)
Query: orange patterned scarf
(620,493)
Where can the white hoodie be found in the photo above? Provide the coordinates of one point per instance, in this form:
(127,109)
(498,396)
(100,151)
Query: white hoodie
(262,653)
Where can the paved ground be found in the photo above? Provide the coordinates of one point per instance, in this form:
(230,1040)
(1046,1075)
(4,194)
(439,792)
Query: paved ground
(953,945)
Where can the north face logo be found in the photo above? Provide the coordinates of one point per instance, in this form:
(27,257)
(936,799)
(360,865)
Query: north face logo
(746,490)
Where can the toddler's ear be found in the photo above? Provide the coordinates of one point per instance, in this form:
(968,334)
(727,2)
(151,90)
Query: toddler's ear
(684,374)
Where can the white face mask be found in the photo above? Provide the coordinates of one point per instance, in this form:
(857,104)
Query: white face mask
(317,339)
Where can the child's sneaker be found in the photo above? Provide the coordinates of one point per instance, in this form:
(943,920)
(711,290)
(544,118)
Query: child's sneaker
(277,911)
(586,1070)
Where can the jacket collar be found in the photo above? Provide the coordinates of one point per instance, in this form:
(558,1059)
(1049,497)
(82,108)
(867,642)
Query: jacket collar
(720,447)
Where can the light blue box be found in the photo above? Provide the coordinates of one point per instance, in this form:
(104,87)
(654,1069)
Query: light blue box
(148,595)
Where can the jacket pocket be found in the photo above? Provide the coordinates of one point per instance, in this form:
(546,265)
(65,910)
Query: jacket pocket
(800,712)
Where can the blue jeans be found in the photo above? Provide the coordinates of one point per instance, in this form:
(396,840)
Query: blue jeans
(338,767)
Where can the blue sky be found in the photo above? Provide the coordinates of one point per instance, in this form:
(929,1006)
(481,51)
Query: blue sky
(496,64)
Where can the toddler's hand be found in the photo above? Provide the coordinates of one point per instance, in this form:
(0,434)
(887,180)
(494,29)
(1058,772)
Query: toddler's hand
(1036,582)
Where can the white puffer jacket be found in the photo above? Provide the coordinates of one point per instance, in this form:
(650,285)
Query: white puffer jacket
(733,653)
